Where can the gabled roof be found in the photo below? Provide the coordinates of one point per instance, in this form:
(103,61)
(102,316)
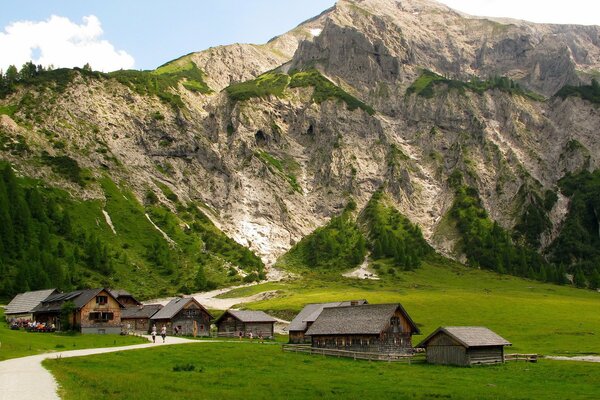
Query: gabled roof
(311,312)
(176,305)
(122,293)
(79,297)
(247,316)
(141,312)
(25,302)
(357,320)
(469,336)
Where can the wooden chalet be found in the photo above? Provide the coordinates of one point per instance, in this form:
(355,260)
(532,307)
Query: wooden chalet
(464,345)
(22,305)
(189,316)
(232,322)
(305,318)
(137,318)
(371,328)
(125,298)
(95,310)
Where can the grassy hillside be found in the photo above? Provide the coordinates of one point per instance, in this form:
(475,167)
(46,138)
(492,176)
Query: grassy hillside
(275,84)
(50,239)
(243,370)
(535,317)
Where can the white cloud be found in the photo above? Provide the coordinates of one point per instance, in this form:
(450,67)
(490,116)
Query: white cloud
(584,12)
(62,43)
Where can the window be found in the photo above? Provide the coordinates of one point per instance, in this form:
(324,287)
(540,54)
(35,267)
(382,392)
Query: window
(101,300)
(101,316)
(192,312)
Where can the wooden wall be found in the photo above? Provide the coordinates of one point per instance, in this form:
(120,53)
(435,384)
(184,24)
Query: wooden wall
(298,337)
(486,355)
(442,349)
(94,326)
(231,324)
(382,343)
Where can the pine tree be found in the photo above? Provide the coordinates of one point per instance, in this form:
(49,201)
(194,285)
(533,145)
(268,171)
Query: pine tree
(579,279)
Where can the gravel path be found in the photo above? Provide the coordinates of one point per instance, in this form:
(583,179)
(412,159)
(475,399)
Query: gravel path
(595,359)
(25,378)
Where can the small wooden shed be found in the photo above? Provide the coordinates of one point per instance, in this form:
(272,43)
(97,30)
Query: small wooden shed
(231,322)
(137,318)
(464,345)
(369,328)
(189,316)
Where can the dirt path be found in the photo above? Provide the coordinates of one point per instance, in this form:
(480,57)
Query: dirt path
(594,359)
(25,378)
(210,300)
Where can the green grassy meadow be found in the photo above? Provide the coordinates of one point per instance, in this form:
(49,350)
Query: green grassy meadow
(536,317)
(255,371)
(20,343)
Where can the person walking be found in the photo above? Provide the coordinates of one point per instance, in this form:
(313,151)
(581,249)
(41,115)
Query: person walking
(163,332)
(153,334)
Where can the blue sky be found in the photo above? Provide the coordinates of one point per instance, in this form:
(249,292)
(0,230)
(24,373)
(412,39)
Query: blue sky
(144,34)
(156,32)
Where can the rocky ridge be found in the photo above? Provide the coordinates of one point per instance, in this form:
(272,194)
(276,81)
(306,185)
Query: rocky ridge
(240,159)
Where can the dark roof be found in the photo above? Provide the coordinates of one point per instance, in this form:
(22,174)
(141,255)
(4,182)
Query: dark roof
(176,305)
(26,302)
(141,312)
(79,297)
(311,312)
(469,336)
(357,320)
(247,316)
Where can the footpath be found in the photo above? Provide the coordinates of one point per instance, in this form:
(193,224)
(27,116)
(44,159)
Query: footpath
(25,378)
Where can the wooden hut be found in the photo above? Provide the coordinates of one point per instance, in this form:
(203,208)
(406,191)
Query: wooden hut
(189,316)
(22,305)
(464,345)
(137,318)
(95,311)
(231,322)
(370,328)
(305,318)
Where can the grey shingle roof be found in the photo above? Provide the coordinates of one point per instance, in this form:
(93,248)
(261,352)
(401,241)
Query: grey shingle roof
(144,311)
(312,311)
(26,302)
(469,336)
(174,306)
(79,297)
(356,320)
(248,316)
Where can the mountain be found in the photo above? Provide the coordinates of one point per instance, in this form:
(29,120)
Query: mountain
(482,132)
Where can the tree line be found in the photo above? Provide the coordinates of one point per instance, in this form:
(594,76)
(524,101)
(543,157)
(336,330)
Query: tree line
(39,245)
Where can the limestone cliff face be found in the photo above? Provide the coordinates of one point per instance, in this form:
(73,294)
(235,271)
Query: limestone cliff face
(271,169)
(386,40)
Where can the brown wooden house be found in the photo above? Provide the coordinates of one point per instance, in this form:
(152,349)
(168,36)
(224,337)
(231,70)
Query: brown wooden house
(300,324)
(137,318)
(95,311)
(464,345)
(189,316)
(371,328)
(232,322)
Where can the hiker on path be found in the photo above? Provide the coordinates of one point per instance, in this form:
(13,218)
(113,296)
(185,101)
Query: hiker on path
(153,334)
(163,332)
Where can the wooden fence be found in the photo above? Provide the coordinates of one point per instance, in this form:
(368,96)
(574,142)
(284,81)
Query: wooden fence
(521,357)
(356,355)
